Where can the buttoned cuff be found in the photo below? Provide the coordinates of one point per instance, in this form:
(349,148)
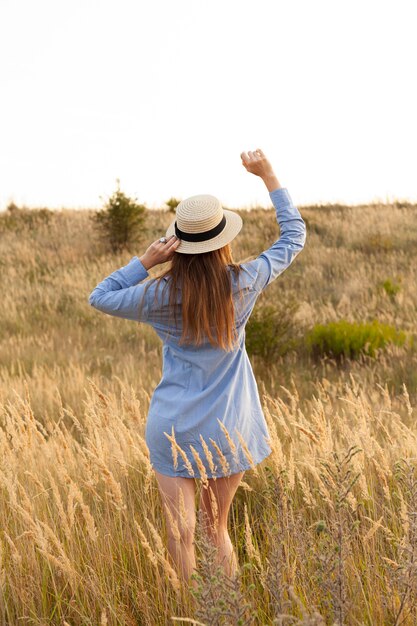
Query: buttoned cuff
(134,272)
(280,197)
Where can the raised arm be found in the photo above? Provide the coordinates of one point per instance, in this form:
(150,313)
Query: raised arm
(121,293)
(273,261)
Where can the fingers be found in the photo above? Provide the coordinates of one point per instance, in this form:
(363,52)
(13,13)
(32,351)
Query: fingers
(169,246)
(248,156)
(252,155)
(173,242)
(169,242)
(256,155)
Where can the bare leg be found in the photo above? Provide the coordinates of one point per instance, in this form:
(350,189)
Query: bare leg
(223,490)
(178,499)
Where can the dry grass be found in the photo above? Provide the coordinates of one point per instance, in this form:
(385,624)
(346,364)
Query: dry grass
(325,529)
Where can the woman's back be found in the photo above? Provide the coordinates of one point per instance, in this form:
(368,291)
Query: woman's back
(205,418)
(206,393)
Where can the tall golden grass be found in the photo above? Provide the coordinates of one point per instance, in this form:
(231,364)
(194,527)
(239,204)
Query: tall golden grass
(326,527)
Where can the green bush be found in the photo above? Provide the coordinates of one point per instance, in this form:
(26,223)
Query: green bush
(270,331)
(350,339)
(172,204)
(391,288)
(121,221)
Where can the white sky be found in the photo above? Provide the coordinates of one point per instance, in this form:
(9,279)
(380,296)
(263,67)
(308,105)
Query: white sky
(165,95)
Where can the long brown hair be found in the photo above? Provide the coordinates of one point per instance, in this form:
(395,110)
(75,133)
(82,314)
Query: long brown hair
(207,301)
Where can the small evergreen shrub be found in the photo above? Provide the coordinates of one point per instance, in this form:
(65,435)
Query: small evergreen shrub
(121,221)
(350,339)
(270,331)
(390,287)
(172,204)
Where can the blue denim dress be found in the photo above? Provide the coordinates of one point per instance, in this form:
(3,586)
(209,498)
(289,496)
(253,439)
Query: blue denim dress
(205,415)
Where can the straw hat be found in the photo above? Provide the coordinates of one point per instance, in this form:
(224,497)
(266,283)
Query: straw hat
(203,225)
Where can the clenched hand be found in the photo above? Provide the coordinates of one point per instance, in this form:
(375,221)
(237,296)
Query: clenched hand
(256,163)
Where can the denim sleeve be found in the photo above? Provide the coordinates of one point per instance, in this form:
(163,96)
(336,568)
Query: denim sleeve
(120,295)
(272,262)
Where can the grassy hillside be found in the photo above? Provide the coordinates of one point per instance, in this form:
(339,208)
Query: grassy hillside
(318,526)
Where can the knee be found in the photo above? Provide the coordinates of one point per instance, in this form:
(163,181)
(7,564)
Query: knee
(214,526)
(183,531)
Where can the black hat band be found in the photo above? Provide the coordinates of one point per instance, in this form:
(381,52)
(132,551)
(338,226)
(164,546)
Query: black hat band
(208,234)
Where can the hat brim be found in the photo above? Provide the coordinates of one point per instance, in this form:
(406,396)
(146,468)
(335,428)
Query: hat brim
(234,224)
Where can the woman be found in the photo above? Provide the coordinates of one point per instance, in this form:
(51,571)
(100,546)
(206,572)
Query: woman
(205,418)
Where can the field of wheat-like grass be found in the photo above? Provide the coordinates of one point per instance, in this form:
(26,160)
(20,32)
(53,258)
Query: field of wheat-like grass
(325,529)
